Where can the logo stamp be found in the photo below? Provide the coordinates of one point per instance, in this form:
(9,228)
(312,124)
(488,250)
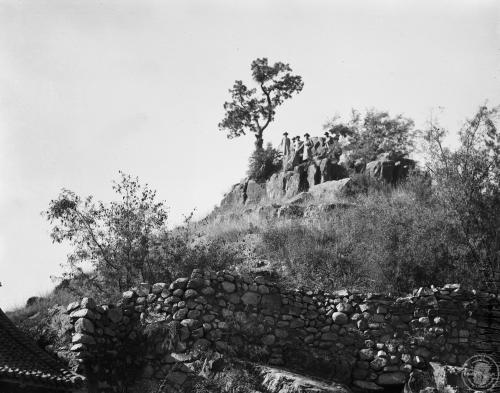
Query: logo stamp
(481,373)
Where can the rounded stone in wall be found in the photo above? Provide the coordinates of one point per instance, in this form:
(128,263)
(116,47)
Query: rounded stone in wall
(394,378)
(340,318)
(251,298)
(268,339)
(228,286)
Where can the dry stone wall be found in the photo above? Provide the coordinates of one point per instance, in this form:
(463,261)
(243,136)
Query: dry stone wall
(370,341)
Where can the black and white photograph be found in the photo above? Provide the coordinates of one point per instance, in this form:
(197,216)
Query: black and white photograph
(249,196)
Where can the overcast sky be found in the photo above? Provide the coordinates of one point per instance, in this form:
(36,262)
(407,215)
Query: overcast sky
(91,87)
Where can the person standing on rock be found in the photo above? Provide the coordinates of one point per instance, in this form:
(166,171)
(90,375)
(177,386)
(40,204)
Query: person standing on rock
(330,139)
(307,154)
(296,143)
(285,145)
(322,150)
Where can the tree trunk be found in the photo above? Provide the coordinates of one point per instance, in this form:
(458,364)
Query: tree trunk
(259,141)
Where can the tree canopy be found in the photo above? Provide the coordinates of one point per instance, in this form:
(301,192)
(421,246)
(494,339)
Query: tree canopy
(374,133)
(253,109)
(468,185)
(112,243)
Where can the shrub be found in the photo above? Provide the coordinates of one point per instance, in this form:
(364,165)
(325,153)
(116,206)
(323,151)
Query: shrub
(182,250)
(313,257)
(394,241)
(114,238)
(263,163)
(468,187)
(376,132)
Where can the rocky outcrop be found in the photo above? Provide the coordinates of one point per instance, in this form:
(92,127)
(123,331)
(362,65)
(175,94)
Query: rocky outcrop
(235,197)
(255,192)
(286,185)
(297,182)
(293,160)
(276,185)
(329,191)
(331,171)
(391,171)
(371,341)
(247,192)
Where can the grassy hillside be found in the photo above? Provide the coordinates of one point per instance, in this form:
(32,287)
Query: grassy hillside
(390,239)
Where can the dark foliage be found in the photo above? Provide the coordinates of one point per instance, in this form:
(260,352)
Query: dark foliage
(263,163)
(252,110)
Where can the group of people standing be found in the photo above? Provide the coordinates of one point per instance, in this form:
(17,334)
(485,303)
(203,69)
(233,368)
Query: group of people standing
(325,146)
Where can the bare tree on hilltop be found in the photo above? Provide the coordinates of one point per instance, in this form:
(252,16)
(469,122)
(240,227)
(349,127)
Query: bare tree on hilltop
(252,110)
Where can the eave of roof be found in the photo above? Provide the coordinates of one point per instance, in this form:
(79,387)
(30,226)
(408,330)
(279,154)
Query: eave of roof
(22,360)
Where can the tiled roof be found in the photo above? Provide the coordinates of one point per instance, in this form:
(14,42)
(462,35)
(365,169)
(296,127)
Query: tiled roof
(22,360)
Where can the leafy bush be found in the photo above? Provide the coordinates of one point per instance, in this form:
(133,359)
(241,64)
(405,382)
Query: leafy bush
(367,136)
(263,163)
(182,250)
(468,186)
(119,244)
(115,239)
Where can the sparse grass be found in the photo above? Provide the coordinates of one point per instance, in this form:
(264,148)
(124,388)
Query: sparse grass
(237,377)
(44,320)
(44,302)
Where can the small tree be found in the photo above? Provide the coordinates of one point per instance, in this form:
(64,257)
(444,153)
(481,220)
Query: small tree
(375,133)
(263,163)
(468,185)
(252,110)
(112,243)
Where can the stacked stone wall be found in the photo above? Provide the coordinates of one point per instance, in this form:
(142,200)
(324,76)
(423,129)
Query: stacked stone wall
(369,341)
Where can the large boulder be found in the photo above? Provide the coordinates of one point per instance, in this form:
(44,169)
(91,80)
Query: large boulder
(313,175)
(402,168)
(389,170)
(381,169)
(293,160)
(297,182)
(255,192)
(330,191)
(330,170)
(276,185)
(236,196)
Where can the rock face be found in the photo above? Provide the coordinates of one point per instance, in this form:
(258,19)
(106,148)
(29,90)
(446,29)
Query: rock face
(297,182)
(248,192)
(293,160)
(255,192)
(285,184)
(329,191)
(371,340)
(236,196)
(331,171)
(276,186)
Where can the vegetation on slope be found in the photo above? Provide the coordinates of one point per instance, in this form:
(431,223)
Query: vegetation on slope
(441,225)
